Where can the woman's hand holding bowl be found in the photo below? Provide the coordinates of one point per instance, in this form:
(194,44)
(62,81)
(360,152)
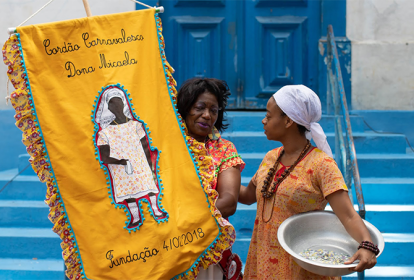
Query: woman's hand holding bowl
(367,260)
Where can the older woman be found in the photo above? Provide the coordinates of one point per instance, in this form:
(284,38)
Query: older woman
(201,103)
(297,178)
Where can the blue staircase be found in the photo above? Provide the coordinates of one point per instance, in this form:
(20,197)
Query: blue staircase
(386,168)
(30,250)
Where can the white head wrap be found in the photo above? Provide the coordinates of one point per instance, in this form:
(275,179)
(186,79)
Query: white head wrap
(103,115)
(303,107)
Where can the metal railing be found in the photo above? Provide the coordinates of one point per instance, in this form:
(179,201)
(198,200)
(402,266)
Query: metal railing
(345,154)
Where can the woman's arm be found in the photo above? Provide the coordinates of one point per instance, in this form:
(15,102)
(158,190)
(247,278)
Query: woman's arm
(228,185)
(344,210)
(248,194)
(105,152)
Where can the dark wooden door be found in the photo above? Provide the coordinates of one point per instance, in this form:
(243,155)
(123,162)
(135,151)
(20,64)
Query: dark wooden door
(257,46)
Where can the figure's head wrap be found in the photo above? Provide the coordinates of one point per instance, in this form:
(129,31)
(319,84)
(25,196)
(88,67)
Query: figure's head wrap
(303,107)
(103,115)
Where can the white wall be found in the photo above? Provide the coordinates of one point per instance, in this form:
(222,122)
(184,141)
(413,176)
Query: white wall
(14,12)
(382,38)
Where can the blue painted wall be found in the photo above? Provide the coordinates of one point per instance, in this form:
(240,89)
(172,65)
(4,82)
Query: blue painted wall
(11,145)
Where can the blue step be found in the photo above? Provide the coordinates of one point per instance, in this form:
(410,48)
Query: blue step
(370,165)
(387,190)
(379,190)
(24,165)
(252,121)
(243,220)
(29,243)
(241,247)
(379,272)
(367,142)
(22,187)
(387,218)
(386,165)
(29,269)
(397,251)
(27,213)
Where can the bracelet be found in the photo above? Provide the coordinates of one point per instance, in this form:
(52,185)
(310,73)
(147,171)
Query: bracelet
(368,245)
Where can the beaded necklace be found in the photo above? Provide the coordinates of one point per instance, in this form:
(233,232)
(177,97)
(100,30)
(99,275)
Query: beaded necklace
(266,193)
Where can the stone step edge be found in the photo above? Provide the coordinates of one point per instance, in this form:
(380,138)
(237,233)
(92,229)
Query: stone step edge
(244,180)
(387,272)
(14,203)
(372,156)
(239,133)
(382,207)
(388,238)
(57,265)
(366,180)
(6,175)
(368,207)
(31,265)
(27,232)
(383,272)
(262,113)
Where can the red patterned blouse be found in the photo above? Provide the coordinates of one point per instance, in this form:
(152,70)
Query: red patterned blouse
(224,154)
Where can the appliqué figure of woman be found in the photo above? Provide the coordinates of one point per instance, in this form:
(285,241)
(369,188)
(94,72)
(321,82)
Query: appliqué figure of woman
(125,151)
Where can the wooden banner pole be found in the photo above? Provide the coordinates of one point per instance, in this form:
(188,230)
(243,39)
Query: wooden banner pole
(87,8)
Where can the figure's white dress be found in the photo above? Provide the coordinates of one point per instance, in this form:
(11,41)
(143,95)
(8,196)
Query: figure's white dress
(124,142)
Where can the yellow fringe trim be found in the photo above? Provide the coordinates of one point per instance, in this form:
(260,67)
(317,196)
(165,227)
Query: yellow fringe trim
(206,173)
(26,121)
(227,236)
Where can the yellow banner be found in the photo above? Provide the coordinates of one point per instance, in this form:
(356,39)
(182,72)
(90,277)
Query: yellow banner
(95,100)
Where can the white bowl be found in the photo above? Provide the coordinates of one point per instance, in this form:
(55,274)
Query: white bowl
(321,230)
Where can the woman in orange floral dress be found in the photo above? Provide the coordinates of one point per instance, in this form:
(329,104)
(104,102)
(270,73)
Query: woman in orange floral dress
(293,179)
